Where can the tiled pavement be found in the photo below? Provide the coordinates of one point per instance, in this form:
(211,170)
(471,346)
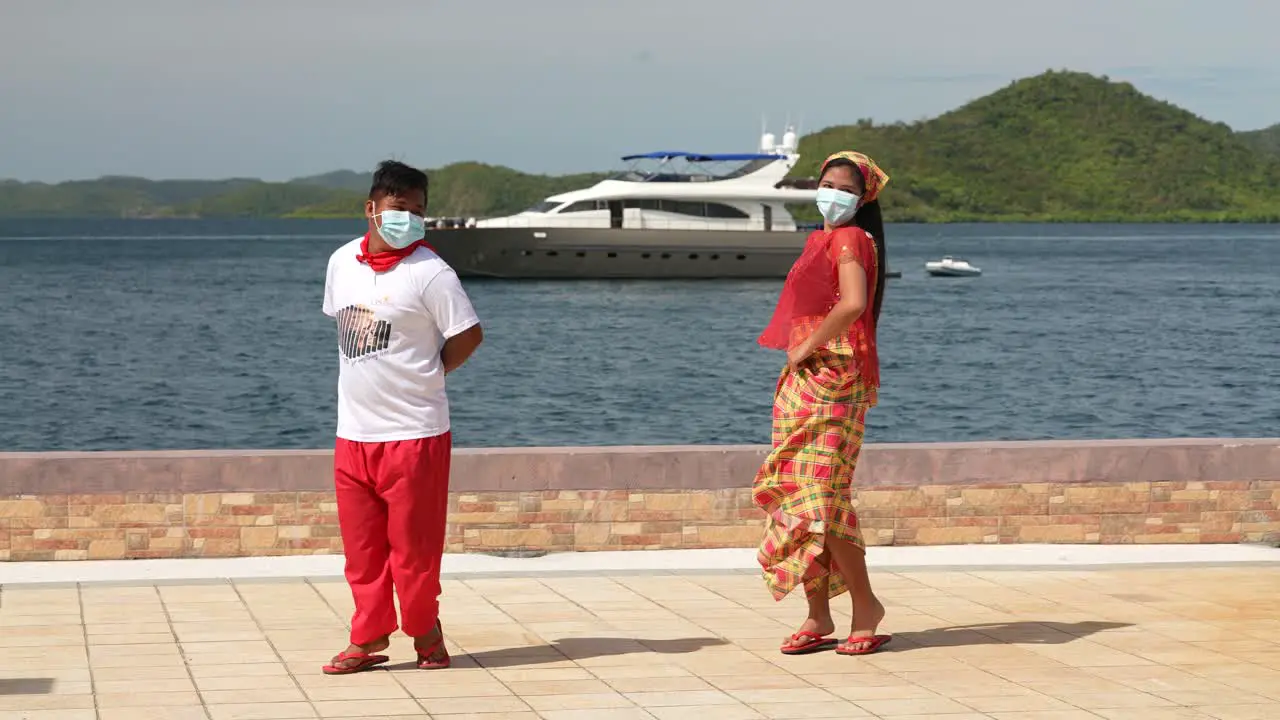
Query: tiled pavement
(1147,644)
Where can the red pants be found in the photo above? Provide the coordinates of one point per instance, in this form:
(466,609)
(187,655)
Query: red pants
(393,498)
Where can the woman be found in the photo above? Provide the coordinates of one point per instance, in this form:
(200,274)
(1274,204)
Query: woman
(826,322)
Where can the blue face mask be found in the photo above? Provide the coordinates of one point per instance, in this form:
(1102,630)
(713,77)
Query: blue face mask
(836,206)
(401,228)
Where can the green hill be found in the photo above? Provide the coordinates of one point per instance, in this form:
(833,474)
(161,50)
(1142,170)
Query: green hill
(339,180)
(1060,146)
(463,189)
(1063,146)
(111,196)
(1266,141)
(459,189)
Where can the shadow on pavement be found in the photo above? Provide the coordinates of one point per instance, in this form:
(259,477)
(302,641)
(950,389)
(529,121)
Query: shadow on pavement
(568,649)
(1021,633)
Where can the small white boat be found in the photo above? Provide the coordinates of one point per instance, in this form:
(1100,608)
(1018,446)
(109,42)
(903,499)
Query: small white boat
(951,267)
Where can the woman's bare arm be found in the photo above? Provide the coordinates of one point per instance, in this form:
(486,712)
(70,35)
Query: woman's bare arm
(852,303)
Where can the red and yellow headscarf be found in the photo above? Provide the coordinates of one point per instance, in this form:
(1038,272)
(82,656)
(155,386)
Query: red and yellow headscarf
(873,178)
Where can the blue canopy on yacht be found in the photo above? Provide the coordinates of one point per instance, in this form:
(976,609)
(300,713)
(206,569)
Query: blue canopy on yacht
(699,157)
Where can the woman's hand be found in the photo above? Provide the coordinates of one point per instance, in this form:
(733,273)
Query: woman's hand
(797,355)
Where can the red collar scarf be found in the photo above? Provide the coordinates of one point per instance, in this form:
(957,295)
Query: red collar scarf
(384,261)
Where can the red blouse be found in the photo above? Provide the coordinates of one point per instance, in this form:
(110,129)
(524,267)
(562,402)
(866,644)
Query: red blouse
(812,289)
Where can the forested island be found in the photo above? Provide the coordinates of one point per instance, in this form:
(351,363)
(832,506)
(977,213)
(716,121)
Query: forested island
(1057,147)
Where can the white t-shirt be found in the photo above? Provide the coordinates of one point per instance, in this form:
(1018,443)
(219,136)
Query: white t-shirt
(391,328)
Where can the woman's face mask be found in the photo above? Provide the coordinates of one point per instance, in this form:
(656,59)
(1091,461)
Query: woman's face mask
(836,206)
(838,197)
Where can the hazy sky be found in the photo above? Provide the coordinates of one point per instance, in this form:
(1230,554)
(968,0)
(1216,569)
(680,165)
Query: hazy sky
(282,88)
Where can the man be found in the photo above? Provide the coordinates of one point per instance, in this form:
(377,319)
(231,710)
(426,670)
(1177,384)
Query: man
(404,322)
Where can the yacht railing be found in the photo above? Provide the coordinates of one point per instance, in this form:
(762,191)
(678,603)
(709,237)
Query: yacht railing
(628,223)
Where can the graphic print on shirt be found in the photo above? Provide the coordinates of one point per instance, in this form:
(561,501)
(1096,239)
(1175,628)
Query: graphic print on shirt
(360,334)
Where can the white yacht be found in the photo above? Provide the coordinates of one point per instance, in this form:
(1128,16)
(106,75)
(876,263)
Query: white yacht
(951,267)
(671,214)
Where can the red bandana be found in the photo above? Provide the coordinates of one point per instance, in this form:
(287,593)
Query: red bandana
(384,261)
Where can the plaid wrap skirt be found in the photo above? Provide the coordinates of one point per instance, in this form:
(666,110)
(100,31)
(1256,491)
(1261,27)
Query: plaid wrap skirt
(804,486)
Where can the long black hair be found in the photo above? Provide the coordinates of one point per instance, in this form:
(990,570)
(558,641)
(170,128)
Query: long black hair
(869,219)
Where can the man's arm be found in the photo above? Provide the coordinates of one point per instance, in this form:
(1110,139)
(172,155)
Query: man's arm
(455,317)
(459,347)
(327,306)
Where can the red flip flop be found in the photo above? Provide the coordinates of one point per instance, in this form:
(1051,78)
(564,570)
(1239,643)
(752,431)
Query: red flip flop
(424,658)
(813,643)
(876,642)
(367,661)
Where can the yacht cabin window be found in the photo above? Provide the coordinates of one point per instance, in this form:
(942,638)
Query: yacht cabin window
(545,206)
(677,207)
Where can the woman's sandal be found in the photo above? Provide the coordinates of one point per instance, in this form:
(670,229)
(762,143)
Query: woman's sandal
(873,644)
(813,642)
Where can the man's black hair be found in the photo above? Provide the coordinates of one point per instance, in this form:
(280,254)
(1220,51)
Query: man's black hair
(396,179)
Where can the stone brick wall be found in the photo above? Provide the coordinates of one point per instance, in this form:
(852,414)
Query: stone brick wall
(225,524)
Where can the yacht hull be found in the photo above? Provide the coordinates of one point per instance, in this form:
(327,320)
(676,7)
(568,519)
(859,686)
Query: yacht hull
(944,271)
(582,253)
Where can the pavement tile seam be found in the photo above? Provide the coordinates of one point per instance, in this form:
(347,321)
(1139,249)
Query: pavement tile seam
(1012,645)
